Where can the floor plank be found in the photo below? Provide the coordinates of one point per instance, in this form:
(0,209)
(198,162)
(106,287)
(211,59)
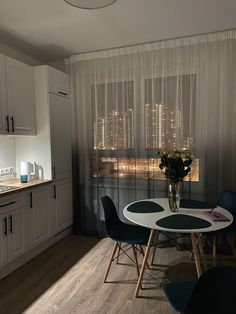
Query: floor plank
(68,278)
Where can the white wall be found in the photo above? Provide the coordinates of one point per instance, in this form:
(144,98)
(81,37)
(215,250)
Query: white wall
(59,65)
(7,152)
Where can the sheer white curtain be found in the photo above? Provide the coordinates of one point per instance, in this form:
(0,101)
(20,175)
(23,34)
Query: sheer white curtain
(131,102)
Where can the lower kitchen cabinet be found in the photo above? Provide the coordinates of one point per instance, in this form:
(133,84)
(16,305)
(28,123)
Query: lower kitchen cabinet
(62,205)
(13,232)
(3,241)
(39,215)
(17,233)
(32,220)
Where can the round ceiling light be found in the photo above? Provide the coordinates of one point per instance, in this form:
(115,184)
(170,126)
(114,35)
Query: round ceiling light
(90,4)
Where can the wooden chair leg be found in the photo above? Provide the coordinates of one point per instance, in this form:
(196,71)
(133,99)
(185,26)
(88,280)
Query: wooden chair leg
(231,245)
(118,254)
(135,258)
(191,256)
(200,246)
(141,249)
(111,259)
(154,249)
(214,250)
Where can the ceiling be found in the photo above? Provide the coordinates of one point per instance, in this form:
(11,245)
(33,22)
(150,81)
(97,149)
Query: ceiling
(51,30)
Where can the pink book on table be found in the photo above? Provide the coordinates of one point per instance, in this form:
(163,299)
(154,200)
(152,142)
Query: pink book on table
(215,216)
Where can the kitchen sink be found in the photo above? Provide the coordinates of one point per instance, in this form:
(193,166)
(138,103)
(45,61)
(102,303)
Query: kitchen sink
(6,188)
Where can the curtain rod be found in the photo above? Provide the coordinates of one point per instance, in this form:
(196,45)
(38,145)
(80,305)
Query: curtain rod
(152,45)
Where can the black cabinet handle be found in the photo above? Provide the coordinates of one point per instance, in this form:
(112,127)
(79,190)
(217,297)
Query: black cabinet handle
(54,172)
(62,93)
(12,124)
(5,226)
(8,126)
(10,221)
(31,200)
(54,191)
(10,203)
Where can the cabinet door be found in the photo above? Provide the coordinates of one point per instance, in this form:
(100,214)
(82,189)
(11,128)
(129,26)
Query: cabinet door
(63,205)
(3,240)
(20,96)
(60,119)
(3,96)
(59,82)
(39,227)
(17,233)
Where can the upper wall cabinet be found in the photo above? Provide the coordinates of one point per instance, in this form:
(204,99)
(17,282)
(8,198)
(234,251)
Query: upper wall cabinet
(20,96)
(58,82)
(17,110)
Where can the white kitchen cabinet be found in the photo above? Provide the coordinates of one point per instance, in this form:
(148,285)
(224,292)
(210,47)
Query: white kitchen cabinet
(58,82)
(39,215)
(54,107)
(60,122)
(20,117)
(53,111)
(3,240)
(13,230)
(3,95)
(17,233)
(52,98)
(62,205)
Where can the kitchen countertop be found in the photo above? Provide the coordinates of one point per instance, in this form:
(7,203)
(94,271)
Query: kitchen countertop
(20,186)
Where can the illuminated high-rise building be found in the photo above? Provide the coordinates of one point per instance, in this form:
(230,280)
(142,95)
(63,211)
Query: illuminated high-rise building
(114,131)
(162,127)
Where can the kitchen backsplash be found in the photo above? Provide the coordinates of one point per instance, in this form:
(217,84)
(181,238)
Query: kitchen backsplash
(7,152)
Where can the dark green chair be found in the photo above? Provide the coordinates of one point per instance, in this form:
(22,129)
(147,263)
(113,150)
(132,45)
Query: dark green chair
(227,200)
(125,236)
(214,292)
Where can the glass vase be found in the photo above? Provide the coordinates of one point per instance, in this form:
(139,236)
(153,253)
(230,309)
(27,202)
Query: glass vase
(173,196)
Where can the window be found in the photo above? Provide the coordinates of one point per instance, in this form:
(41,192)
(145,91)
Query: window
(114,115)
(139,168)
(167,118)
(170,105)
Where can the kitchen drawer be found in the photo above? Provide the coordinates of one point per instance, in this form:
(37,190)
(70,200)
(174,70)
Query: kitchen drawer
(11,202)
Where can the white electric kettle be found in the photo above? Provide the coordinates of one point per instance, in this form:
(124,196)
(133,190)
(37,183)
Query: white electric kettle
(28,168)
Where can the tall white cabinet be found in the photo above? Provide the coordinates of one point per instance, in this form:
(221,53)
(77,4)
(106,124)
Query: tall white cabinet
(52,97)
(39,215)
(60,121)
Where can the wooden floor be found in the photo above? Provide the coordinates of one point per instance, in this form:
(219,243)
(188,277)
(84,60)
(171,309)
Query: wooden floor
(68,278)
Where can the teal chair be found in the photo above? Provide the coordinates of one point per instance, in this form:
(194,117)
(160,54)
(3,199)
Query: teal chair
(125,236)
(214,292)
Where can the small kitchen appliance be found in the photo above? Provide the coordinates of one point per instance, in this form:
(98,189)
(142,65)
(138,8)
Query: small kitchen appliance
(27,170)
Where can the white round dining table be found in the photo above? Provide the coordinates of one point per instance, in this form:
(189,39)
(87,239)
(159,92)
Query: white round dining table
(161,219)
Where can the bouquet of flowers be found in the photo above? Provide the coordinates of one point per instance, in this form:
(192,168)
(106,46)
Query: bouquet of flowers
(176,164)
